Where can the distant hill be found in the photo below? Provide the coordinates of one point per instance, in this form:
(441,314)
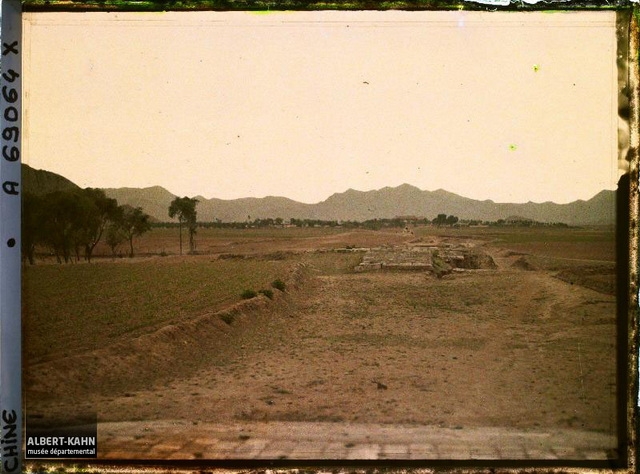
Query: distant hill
(403,200)
(154,201)
(383,203)
(42,182)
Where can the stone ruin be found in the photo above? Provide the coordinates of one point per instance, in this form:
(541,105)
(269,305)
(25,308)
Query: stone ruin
(439,259)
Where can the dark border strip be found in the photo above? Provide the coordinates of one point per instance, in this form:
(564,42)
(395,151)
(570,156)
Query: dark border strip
(311,5)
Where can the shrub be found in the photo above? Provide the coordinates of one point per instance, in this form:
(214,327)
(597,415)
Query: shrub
(278,284)
(440,267)
(227,318)
(267,293)
(248,294)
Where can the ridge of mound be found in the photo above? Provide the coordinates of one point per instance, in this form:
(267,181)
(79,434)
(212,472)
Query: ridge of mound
(149,359)
(523,264)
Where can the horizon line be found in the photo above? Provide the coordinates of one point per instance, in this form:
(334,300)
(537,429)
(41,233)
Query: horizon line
(358,191)
(328,197)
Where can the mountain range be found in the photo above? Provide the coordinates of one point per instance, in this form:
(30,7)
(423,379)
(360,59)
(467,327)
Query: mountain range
(388,202)
(43,182)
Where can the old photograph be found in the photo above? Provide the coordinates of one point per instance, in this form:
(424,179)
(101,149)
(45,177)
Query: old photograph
(323,235)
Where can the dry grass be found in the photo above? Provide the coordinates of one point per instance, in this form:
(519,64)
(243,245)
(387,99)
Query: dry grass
(505,347)
(250,241)
(591,243)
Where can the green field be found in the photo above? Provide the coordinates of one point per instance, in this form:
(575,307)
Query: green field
(77,307)
(70,309)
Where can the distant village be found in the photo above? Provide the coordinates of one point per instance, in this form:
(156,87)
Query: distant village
(441,220)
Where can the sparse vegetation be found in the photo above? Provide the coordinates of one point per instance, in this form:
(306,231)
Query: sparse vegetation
(278,284)
(128,299)
(248,294)
(440,267)
(227,318)
(267,293)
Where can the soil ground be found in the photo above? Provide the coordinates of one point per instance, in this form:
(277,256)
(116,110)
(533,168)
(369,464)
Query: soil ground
(523,346)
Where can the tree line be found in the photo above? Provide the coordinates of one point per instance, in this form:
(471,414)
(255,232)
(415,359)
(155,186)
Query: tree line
(441,220)
(268,222)
(71,223)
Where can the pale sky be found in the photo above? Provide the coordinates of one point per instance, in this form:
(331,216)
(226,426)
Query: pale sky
(512,107)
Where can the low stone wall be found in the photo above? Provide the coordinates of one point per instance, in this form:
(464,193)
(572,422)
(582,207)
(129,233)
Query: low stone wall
(421,258)
(396,259)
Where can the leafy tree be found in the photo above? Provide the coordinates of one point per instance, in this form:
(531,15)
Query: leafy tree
(451,220)
(106,211)
(185,209)
(115,233)
(85,221)
(70,222)
(32,217)
(66,214)
(443,219)
(440,220)
(134,223)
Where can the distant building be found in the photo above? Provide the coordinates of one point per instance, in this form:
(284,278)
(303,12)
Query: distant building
(408,219)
